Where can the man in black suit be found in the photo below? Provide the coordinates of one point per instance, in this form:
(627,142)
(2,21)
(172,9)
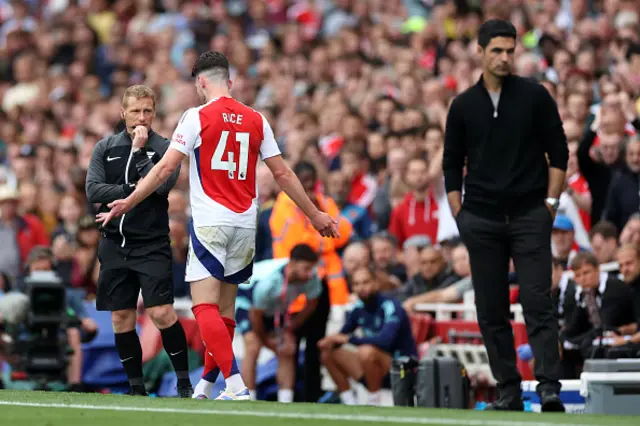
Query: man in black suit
(604,305)
(629,340)
(506,132)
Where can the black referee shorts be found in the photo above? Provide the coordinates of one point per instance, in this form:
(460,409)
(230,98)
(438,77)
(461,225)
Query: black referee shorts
(126,271)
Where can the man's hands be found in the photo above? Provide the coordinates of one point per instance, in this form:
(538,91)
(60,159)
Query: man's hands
(118,208)
(325,225)
(140,137)
(331,341)
(409,305)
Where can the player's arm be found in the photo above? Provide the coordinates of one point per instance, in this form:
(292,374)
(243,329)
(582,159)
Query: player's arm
(98,191)
(256,318)
(144,165)
(157,176)
(313,292)
(288,181)
(302,316)
(182,142)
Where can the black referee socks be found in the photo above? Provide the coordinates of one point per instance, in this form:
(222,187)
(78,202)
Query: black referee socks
(175,343)
(130,351)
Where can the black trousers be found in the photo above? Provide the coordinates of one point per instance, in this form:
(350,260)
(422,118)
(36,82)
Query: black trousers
(527,240)
(313,330)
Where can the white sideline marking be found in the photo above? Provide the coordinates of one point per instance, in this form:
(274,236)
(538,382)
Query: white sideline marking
(293,415)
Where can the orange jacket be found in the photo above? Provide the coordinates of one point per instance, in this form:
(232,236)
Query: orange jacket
(289,227)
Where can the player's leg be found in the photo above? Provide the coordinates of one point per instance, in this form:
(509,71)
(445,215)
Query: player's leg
(286,376)
(118,291)
(375,366)
(238,267)
(74,370)
(252,347)
(342,364)
(154,272)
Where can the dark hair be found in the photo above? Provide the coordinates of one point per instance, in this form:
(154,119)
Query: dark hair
(7,282)
(605,228)
(495,28)
(209,61)
(584,258)
(633,49)
(555,262)
(305,166)
(303,252)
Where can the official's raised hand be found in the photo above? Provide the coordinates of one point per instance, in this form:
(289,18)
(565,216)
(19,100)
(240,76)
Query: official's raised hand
(140,137)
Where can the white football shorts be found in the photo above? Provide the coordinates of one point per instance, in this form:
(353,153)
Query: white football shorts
(222,252)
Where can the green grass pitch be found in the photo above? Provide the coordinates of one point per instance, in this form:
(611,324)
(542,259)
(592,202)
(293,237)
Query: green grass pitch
(18,408)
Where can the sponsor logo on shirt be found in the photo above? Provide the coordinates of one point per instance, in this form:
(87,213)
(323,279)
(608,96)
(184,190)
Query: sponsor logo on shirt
(180,139)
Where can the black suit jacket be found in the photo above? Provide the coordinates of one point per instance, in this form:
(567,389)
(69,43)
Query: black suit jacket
(616,309)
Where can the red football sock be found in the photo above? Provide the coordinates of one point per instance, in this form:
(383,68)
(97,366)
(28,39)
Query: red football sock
(231,327)
(211,370)
(215,335)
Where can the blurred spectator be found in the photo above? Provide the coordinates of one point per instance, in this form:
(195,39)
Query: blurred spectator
(433,275)
(387,334)
(18,233)
(267,192)
(453,288)
(575,201)
(290,227)
(603,304)
(418,212)
(624,192)
(179,235)
(604,241)
(411,252)
(597,163)
(272,326)
(563,241)
(631,232)
(354,256)
(385,257)
(338,188)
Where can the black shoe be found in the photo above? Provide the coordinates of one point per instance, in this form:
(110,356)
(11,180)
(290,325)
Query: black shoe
(506,403)
(550,403)
(77,387)
(137,390)
(185,390)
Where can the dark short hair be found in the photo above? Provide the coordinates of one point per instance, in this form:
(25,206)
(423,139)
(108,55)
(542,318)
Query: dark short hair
(209,61)
(303,252)
(632,50)
(495,28)
(305,166)
(584,258)
(605,228)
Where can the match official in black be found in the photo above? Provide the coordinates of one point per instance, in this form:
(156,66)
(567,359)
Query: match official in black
(508,133)
(135,251)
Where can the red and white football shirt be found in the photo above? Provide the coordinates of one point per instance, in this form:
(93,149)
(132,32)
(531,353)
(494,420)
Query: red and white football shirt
(224,139)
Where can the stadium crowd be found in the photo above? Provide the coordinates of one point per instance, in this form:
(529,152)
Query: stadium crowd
(357,93)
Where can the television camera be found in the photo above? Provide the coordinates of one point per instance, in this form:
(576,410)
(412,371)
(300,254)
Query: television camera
(34,326)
